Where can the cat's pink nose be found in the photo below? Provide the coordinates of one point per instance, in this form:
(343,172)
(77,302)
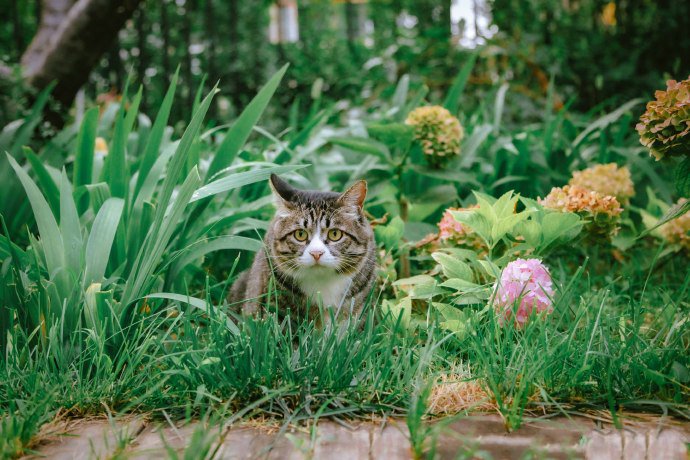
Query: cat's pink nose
(316,254)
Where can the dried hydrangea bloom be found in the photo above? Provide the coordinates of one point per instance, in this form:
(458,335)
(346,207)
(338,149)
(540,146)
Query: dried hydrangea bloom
(438,132)
(678,230)
(601,212)
(608,179)
(665,127)
(452,231)
(527,284)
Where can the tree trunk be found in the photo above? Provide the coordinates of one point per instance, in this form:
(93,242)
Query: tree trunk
(71,38)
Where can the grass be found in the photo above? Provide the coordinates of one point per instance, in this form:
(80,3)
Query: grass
(114,300)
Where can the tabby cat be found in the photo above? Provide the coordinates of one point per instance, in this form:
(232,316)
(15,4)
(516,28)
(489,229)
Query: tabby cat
(320,250)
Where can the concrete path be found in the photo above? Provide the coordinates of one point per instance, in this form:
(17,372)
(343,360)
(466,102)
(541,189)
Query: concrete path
(482,437)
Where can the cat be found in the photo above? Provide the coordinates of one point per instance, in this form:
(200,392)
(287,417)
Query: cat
(319,250)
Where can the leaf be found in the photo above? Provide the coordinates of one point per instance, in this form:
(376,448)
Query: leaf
(69,226)
(45,180)
(498,106)
(200,248)
(674,212)
(83,158)
(390,234)
(197,303)
(604,121)
(45,220)
(363,145)
(453,267)
(239,132)
(100,240)
(13,141)
(400,96)
(452,101)
(115,169)
(683,178)
(237,180)
(153,143)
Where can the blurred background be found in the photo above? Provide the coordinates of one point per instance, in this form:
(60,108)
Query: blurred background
(349,52)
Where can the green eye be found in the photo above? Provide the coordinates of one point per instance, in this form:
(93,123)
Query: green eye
(334,234)
(301,235)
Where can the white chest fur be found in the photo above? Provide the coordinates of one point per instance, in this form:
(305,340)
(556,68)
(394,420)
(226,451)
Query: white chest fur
(325,284)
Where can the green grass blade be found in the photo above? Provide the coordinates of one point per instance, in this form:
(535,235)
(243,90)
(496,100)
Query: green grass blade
(239,132)
(101,239)
(83,158)
(452,101)
(197,303)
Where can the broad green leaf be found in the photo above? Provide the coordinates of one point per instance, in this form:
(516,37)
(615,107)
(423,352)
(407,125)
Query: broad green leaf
(100,240)
(70,227)
(390,234)
(453,267)
(47,225)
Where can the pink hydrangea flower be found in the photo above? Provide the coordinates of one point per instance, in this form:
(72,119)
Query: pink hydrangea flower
(528,282)
(449,227)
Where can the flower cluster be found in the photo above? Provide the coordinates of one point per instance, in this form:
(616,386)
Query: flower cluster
(452,231)
(677,231)
(665,127)
(527,284)
(601,212)
(438,132)
(606,179)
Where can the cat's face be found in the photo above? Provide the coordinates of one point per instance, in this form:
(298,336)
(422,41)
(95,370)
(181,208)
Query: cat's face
(318,232)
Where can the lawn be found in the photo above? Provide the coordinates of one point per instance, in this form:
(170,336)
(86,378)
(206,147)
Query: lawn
(121,237)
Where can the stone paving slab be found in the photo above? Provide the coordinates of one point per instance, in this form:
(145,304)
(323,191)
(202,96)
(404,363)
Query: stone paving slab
(482,436)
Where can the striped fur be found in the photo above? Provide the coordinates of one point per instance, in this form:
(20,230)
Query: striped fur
(340,279)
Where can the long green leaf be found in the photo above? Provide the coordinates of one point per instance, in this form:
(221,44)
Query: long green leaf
(69,226)
(239,132)
(452,101)
(83,158)
(156,136)
(240,180)
(45,180)
(157,240)
(45,220)
(200,248)
(101,239)
(116,162)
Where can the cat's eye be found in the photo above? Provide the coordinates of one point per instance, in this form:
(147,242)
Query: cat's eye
(301,235)
(334,234)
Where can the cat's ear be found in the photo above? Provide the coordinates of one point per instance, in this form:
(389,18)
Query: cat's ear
(283,192)
(355,195)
